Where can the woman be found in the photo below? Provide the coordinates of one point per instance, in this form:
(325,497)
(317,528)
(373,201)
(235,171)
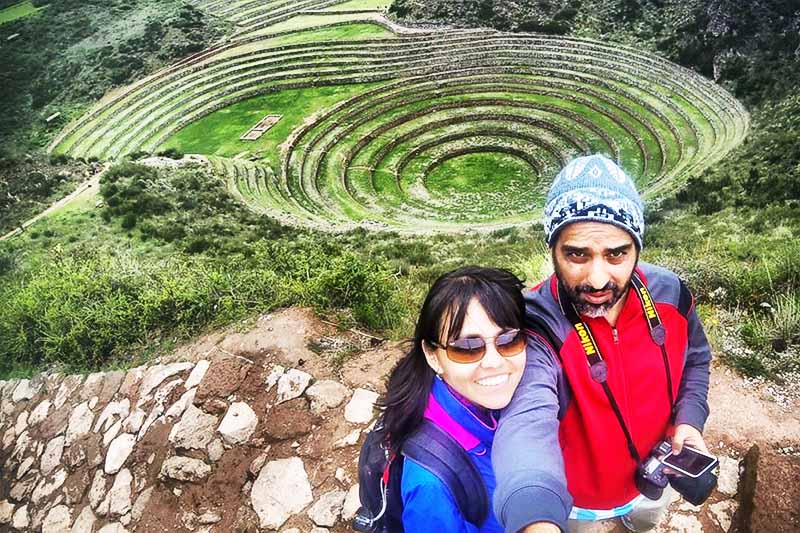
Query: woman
(467,358)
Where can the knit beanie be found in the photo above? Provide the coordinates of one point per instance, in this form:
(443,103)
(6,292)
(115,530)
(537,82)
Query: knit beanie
(593,189)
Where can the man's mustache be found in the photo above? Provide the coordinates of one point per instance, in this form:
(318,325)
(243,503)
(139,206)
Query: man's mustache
(610,286)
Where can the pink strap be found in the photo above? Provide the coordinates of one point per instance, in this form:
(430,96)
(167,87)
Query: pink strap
(436,414)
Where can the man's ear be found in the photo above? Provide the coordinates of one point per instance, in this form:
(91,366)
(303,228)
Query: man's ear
(431,357)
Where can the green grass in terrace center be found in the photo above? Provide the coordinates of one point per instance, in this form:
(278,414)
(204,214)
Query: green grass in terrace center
(480,172)
(219,132)
(23,9)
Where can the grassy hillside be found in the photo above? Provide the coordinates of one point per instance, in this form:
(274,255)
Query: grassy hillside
(160,254)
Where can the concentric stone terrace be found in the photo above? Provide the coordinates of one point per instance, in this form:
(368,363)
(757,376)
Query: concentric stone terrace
(441,130)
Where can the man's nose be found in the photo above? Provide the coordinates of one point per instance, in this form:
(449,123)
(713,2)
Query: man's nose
(598,276)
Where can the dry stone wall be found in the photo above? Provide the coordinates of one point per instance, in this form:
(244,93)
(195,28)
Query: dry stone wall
(229,443)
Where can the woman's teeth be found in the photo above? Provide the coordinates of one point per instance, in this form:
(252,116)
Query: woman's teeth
(493,380)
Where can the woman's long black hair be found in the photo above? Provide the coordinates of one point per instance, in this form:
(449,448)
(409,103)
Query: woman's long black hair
(497,290)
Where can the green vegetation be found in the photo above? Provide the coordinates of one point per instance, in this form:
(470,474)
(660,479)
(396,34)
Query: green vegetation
(219,132)
(23,9)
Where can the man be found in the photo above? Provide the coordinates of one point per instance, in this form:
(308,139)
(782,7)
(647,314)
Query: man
(613,368)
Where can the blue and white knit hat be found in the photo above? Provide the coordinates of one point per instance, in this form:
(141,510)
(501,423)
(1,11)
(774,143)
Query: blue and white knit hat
(593,188)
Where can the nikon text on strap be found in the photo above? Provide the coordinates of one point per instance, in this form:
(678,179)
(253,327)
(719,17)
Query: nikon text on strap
(598,368)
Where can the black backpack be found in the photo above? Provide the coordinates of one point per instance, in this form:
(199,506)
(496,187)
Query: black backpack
(380,470)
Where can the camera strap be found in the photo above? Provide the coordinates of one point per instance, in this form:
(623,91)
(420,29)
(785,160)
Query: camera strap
(598,367)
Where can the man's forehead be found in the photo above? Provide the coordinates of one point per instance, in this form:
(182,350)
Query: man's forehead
(594,236)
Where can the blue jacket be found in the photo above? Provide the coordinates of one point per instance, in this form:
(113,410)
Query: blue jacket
(428,504)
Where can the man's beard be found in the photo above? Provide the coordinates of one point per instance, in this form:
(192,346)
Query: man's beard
(589,309)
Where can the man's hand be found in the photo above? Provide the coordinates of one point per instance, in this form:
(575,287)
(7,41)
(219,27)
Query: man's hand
(687,435)
(542,527)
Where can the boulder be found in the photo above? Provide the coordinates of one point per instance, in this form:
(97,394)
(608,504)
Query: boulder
(39,413)
(184,469)
(118,499)
(57,520)
(194,431)
(197,374)
(359,409)
(238,424)
(21,519)
(326,394)
(80,423)
(280,491)
(352,503)
(52,455)
(85,521)
(6,512)
(25,390)
(327,509)
(292,384)
(118,452)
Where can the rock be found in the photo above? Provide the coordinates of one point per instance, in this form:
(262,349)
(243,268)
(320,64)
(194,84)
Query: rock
(56,423)
(118,452)
(223,377)
(723,513)
(209,517)
(318,530)
(351,439)
(728,482)
(24,467)
(159,406)
(58,520)
(66,390)
(134,422)
(85,521)
(112,433)
(52,455)
(292,384)
(197,374)
(6,512)
(340,475)
(351,504)
(118,499)
(215,450)
(184,469)
(22,423)
(21,446)
(326,394)
(238,424)
(39,413)
(177,409)
(8,437)
(21,520)
(45,488)
(258,463)
(26,390)
(111,384)
(98,491)
(281,490)
(274,376)
(131,382)
(359,409)
(327,509)
(113,412)
(141,504)
(20,491)
(681,523)
(155,376)
(92,386)
(194,431)
(80,423)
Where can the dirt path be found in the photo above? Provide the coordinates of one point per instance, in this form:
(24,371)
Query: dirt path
(82,190)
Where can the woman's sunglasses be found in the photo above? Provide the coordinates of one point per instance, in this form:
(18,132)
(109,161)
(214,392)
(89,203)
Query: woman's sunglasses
(472,349)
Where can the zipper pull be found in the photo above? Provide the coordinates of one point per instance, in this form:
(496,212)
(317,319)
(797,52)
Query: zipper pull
(615,335)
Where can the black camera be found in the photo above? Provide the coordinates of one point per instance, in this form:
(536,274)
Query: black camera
(691,473)
(650,477)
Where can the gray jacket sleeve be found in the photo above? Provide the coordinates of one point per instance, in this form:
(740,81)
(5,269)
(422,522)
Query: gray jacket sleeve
(691,406)
(526,455)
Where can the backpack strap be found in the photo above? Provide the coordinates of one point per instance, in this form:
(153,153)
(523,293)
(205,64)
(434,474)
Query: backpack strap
(433,448)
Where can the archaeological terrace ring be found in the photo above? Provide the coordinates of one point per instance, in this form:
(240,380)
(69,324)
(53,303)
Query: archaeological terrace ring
(449,130)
